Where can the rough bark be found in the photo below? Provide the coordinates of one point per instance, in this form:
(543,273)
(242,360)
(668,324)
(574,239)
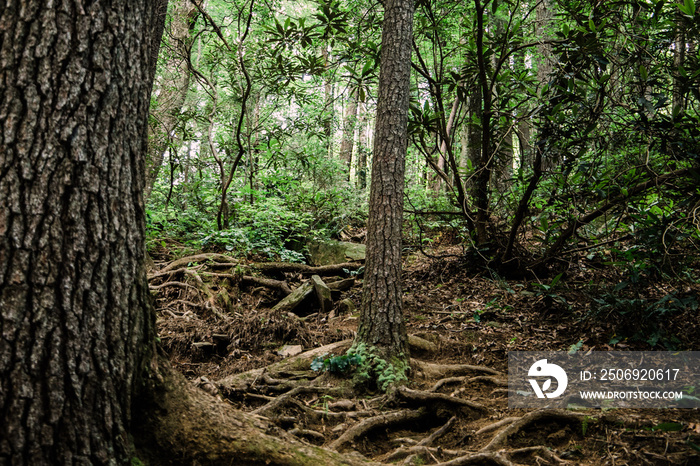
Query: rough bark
(381,318)
(173,89)
(73,294)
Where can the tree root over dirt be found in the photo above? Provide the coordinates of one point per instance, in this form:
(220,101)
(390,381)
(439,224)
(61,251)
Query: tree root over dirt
(291,402)
(180,424)
(215,311)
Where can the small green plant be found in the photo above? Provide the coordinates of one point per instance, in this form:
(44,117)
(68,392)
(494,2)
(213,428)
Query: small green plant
(373,367)
(548,292)
(355,273)
(325,399)
(668,427)
(335,364)
(576,347)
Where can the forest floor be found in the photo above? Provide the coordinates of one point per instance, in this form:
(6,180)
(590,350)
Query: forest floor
(219,330)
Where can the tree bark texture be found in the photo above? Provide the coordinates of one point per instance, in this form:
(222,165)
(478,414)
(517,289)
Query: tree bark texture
(74,302)
(381,318)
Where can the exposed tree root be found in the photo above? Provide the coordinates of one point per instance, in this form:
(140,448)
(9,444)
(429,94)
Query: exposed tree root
(410,454)
(428,441)
(282,286)
(383,420)
(278,267)
(432,370)
(496,425)
(243,381)
(180,424)
(516,426)
(544,452)
(196,258)
(464,379)
(483,458)
(422,398)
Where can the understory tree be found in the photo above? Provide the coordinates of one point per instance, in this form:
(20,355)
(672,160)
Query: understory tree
(381,335)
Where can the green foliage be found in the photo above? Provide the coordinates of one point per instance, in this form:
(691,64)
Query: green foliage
(548,292)
(584,425)
(668,427)
(616,111)
(639,318)
(573,349)
(373,369)
(336,364)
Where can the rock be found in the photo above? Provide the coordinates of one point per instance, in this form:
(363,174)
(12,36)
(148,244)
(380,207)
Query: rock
(346,306)
(290,350)
(335,252)
(339,428)
(342,285)
(342,405)
(290,303)
(323,294)
(204,345)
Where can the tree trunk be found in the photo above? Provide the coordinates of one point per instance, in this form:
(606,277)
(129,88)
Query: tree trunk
(543,17)
(328,109)
(503,122)
(159,12)
(680,86)
(173,89)
(77,325)
(474,133)
(382,324)
(483,170)
(362,148)
(349,121)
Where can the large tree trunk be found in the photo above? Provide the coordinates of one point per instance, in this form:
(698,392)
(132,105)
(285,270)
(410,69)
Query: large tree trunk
(382,324)
(76,334)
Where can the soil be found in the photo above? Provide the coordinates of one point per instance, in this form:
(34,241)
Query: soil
(220,332)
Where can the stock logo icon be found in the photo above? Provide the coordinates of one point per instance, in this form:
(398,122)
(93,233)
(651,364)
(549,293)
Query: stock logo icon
(542,369)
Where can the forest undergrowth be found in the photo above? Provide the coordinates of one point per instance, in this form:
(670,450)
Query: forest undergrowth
(221,325)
